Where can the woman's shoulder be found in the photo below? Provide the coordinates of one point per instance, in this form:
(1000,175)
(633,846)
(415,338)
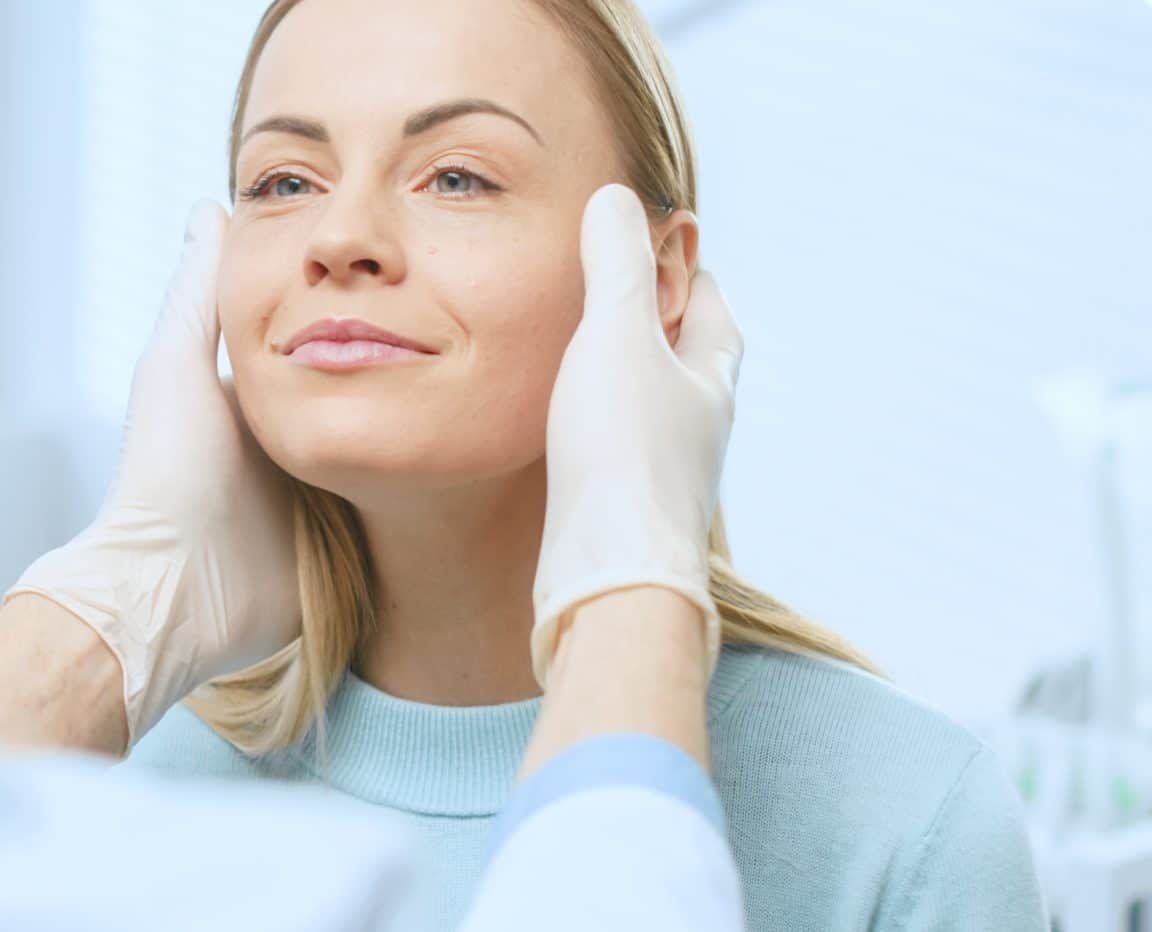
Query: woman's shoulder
(767,701)
(867,787)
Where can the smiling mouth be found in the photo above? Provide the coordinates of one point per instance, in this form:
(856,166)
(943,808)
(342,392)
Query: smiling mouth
(349,329)
(343,355)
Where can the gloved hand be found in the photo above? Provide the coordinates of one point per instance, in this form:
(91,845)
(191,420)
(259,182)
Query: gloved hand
(188,571)
(637,432)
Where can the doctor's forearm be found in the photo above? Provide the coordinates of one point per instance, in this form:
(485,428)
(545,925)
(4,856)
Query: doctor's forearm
(630,661)
(60,685)
(614,788)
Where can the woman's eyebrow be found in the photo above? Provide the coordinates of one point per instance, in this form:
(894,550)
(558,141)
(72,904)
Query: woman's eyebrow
(419,122)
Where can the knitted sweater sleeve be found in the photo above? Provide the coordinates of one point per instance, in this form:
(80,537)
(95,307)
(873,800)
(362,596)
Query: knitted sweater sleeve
(972,869)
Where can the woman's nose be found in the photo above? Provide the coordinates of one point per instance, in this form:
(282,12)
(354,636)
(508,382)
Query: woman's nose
(352,241)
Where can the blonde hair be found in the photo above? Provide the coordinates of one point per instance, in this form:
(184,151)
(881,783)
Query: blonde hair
(275,704)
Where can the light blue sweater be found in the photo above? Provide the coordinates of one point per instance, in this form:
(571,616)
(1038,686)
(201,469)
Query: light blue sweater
(849,805)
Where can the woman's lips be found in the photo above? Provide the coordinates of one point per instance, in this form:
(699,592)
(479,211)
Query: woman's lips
(346,329)
(340,356)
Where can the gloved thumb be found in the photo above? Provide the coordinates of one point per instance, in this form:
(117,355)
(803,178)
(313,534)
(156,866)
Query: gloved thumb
(619,265)
(710,342)
(188,320)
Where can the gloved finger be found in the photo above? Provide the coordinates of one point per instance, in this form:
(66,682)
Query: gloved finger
(710,342)
(619,265)
(188,317)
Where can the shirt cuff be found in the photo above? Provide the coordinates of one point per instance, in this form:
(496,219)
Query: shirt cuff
(616,760)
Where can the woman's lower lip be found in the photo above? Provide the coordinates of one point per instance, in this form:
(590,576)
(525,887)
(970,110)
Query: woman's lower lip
(354,354)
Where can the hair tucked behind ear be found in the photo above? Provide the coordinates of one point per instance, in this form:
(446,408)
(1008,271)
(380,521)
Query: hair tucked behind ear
(278,702)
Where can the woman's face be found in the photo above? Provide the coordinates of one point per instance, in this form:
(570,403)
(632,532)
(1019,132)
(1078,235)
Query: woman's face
(461,234)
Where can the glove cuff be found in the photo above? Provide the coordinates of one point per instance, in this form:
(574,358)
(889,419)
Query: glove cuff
(133,592)
(550,611)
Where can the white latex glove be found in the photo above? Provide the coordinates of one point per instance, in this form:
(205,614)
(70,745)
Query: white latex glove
(188,571)
(637,432)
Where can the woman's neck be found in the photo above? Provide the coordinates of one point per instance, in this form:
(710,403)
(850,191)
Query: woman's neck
(455,570)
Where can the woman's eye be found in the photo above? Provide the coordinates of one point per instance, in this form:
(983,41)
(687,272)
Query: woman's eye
(462,184)
(458,184)
(259,190)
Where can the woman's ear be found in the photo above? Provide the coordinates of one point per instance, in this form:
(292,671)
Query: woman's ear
(674,244)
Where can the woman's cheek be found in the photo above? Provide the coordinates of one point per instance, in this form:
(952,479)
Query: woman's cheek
(236,281)
(524,357)
(246,292)
(228,300)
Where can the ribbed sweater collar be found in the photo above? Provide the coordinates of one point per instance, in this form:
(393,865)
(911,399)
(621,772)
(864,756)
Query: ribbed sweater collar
(448,760)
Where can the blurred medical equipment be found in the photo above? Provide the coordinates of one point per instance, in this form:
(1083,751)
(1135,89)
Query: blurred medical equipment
(1080,742)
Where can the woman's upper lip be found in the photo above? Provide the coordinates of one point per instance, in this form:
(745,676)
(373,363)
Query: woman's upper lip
(346,329)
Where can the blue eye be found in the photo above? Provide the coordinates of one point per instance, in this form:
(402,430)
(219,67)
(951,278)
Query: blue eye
(442,171)
(258,190)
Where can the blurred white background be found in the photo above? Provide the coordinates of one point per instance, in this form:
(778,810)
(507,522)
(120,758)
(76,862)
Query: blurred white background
(917,210)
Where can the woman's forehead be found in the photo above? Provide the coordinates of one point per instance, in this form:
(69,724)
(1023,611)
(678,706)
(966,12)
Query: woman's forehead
(401,52)
(399,69)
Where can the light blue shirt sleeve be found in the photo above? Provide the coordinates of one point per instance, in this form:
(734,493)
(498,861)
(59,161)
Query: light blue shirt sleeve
(81,852)
(619,832)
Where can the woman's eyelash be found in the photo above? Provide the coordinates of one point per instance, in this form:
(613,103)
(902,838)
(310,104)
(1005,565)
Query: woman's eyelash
(256,191)
(453,168)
